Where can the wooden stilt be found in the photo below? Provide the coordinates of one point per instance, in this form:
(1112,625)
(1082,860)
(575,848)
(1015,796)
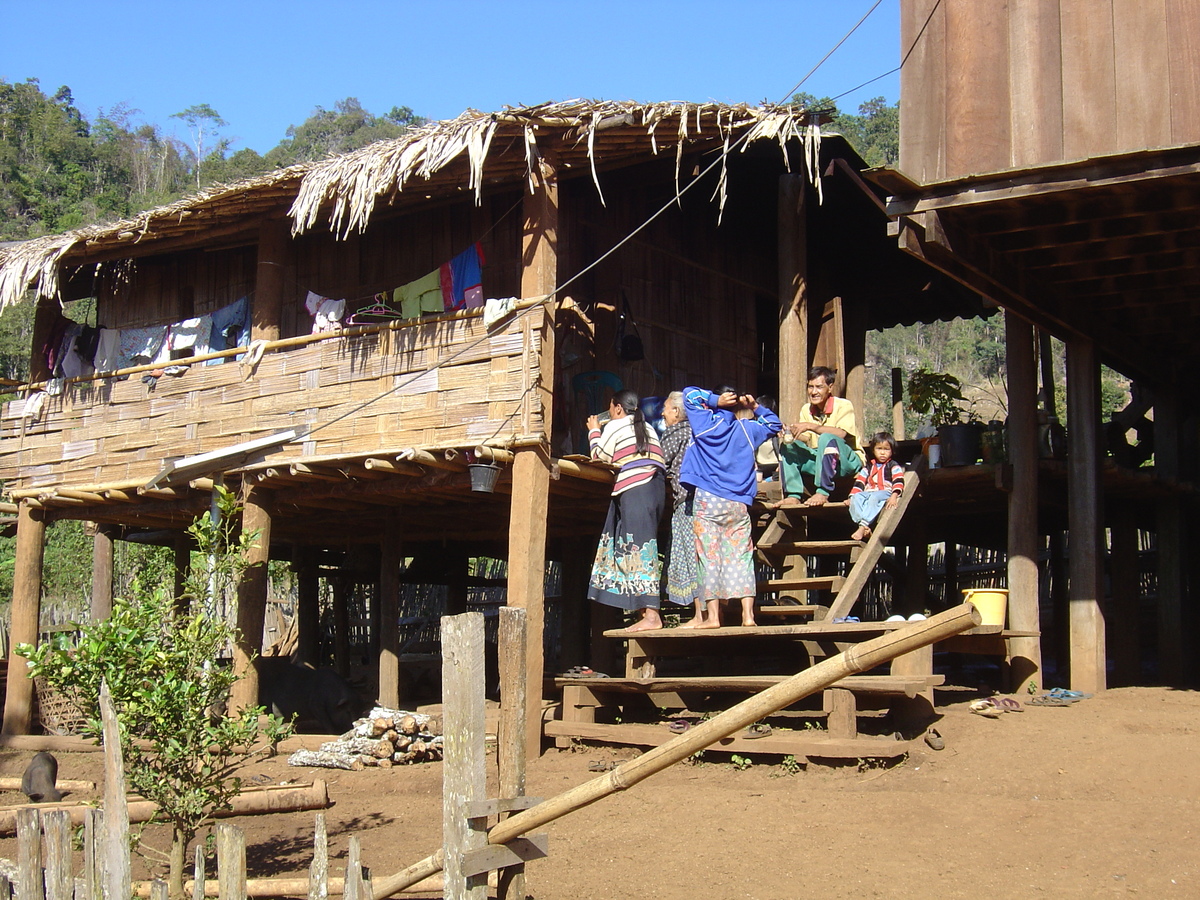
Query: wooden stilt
(274,242)
(26,615)
(898,404)
(1169,522)
(308,613)
(341,623)
(916,573)
(1125,641)
(1084,517)
(182,566)
(102,572)
(391,558)
(252,599)
(576,568)
(793,295)
(1024,655)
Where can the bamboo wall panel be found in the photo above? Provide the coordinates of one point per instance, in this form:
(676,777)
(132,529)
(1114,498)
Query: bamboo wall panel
(103,433)
(164,289)
(993,86)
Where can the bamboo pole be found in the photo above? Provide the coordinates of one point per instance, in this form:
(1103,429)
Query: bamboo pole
(587,471)
(859,658)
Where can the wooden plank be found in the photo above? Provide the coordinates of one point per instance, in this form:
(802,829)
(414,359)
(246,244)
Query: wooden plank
(1024,541)
(868,684)
(1084,517)
(231,862)
(843,713)
(812,583)
(512,855)
(26,614)
(1088,78)
(56,825)
(30,876)
(464,775)
(1183,54)
(1142,79)
(923,90)
(115,863)
(1035,82)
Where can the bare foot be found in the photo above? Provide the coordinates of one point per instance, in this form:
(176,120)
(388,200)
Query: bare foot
(786,503)
(709,623)
(646,625)
(692,623)
(861,533)
(817,499)
(748,623)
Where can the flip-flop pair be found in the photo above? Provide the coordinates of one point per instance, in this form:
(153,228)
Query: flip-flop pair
(582,672)
(1050,700)
(758,730)
(1064,694)
(678,726)
(992,707)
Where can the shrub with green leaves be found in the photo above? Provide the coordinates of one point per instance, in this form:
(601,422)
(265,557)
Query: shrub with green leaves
(161,660)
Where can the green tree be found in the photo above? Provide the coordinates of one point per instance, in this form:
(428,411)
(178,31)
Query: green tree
(346,127)
(205,123)
(874,132)
(161,667)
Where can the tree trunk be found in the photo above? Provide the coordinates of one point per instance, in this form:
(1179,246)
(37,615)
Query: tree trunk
(179,844)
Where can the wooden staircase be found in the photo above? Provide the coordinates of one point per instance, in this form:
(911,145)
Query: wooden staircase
(784,544)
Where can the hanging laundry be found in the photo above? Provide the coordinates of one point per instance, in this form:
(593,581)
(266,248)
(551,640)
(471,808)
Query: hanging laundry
(142,346)
(326,313)
(420,296)
(462,279)
(71,363)
(230,328)
(108,350)
(497,309)
(189,334)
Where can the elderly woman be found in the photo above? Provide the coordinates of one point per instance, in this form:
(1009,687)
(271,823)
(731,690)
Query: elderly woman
(681,566)
(627,571)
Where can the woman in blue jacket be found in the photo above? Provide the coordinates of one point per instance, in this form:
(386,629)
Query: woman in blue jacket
(720,470)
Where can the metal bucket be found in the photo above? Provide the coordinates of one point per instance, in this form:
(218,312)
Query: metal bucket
(483,477)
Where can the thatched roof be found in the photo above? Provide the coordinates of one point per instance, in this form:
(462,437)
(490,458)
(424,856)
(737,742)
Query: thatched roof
(440,158)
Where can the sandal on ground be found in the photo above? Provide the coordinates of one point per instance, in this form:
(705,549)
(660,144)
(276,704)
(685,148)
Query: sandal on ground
(934,739)
(986,707)
(758,730)
(1064,694)
(582,672)
(678,726)
(602,765)
(1008,704)
(1047,700)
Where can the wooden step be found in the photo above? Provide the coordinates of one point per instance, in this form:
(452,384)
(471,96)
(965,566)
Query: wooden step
(788,609)
(812,548)
(794,743)
(894,685)
(815,583)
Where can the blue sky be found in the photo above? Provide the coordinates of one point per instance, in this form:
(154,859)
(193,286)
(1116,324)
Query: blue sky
(266,65)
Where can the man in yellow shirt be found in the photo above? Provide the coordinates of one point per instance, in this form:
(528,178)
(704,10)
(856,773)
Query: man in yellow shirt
(824,446)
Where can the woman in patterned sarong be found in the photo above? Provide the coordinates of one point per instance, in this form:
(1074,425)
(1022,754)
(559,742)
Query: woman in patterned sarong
(681,565)
(627,571)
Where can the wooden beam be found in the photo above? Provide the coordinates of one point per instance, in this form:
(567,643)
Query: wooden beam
(1084,517)
(274,242)
(26,615)
(1125,640)
(308,611)
(793,295)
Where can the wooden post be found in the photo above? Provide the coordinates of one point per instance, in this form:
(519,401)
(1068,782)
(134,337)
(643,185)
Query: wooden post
(464,773)
(352,885)
(1046,361)
(308,612)
(198,873)
(1024,653)
(576,569)
(1169,524)
(1125,641)
(341,623)
(182,566)
(898,404)
(793,295)
(252,599)
(30,876)
(916,573)
(231,862)
(953,594)
(318,871)
(274,242)
(56,824)
(1084,516)
(531,465)
(854,358)
(456,581)
(102,572)
(93,853)
(115,865)
(510,750)
(391,557)
(26,615)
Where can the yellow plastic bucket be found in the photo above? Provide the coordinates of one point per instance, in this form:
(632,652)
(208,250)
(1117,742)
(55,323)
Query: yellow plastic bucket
(992,604)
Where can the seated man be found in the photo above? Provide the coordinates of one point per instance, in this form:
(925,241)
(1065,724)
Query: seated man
(824,448)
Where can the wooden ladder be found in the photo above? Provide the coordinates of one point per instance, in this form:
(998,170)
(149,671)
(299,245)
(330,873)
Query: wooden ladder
(784,544)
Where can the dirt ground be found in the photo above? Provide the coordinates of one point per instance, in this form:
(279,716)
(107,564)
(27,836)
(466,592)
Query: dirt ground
(1098,798)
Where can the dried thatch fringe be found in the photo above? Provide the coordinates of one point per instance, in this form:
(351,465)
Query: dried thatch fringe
(346,188)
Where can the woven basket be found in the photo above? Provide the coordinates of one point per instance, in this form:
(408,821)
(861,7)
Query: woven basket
(58,713)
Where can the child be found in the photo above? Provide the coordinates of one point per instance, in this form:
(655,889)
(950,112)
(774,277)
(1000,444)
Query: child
(876,486)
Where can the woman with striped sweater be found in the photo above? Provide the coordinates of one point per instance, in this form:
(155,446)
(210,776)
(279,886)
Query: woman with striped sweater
(627,571)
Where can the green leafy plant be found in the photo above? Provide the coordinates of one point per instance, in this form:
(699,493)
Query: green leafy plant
(741,763)
(939,396)
(160,657)
(789,765)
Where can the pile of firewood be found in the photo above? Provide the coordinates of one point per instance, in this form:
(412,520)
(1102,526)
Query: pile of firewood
(385,738)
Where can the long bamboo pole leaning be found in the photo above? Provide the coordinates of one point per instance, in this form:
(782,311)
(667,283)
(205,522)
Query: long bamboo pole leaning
(859,658)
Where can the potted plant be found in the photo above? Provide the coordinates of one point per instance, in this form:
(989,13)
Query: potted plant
(939,396)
